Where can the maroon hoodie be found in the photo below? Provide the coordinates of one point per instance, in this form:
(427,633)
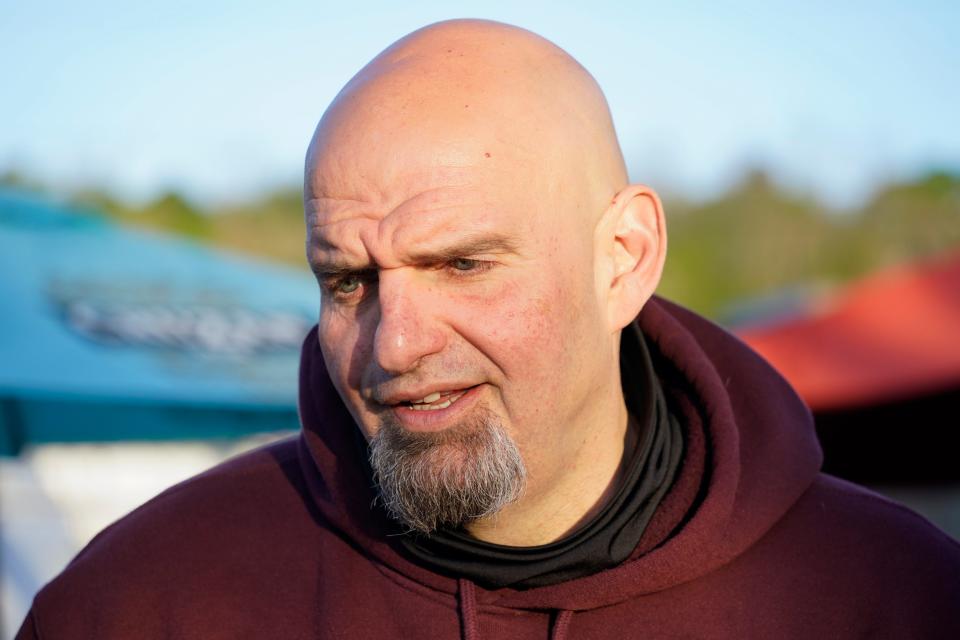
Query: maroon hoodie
(752,541)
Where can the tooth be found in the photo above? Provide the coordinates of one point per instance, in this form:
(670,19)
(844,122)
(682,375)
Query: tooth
(426,404)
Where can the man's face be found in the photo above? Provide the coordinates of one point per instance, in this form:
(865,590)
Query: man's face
(452,287)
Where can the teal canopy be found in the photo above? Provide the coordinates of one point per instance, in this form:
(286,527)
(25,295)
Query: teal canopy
(107,333)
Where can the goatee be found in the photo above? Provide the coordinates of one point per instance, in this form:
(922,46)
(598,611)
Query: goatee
(449,478)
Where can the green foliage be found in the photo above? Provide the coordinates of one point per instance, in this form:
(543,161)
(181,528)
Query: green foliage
(170,213)
(756,240)
(753,241)
(173,212)
(13,179)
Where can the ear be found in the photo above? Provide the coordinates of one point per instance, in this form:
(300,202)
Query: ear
(632,247)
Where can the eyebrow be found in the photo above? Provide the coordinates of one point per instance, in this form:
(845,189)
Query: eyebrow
(471,245)
(334,270)
(468,246)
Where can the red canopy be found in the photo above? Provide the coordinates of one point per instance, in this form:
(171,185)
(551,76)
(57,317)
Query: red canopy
(892,336)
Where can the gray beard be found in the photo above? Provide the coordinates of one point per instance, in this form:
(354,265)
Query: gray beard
(448,478)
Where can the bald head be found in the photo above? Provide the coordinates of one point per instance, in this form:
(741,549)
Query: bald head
(455,92)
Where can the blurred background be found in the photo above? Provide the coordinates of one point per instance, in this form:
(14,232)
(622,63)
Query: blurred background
(153,285)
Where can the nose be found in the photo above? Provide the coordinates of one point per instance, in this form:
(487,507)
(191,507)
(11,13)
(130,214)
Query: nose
(409,328)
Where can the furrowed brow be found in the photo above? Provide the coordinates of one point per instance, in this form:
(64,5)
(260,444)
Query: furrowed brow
(326,270)
(469,246)
(324,261)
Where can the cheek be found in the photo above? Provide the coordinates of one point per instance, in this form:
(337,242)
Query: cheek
(345,352)
(531,334)
(341,346)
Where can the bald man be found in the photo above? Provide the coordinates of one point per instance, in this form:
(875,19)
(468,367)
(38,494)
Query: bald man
(505,434)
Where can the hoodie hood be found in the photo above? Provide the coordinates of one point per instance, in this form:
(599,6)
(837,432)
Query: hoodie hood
(761,455)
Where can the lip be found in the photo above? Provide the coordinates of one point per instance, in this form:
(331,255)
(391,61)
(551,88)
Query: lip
(414,394)
(437,419)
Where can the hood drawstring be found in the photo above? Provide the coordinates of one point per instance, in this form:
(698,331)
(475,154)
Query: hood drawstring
(468,609)
(561,623)
(469,626)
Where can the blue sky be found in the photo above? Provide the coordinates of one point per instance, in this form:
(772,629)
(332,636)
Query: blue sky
(219,98)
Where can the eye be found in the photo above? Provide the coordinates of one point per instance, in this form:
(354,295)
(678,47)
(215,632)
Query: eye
(347,285)
(465,264)
(466,267)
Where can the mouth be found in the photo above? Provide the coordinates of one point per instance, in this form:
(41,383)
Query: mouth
(437,410)
(436,400)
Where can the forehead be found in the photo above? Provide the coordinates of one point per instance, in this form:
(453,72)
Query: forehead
(408,210)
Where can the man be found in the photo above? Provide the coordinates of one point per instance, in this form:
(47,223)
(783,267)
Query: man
(504,433)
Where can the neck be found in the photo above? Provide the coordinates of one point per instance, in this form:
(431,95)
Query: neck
(581,490)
